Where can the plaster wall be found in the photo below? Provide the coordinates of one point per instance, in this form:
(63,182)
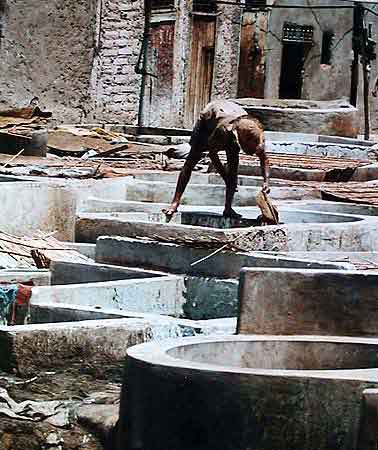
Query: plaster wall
(320,82)
(47,50)
(28,207)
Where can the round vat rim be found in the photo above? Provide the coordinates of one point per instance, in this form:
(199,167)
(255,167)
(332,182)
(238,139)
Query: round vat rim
(156,354)
(357,218)
(354,219)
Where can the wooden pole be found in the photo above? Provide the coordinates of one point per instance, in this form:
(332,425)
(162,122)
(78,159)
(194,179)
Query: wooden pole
(366,73)
(356,43)
(366,79)
(143,69)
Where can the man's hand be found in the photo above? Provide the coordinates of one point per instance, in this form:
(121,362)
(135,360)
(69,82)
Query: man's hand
(266,188)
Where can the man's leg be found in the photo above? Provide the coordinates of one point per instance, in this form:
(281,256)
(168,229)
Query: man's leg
(219,167)
(232,153)
(184,177)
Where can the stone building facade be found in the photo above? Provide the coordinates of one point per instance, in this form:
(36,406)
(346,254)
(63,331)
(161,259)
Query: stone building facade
(79,56)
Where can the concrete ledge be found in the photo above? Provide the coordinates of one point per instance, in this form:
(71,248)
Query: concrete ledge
(348,236)
(75,273)
(27,348)
(89,228)
(308,302)
(35,277)
(208,194)
(178,259)
(334,207)
(162,295)
(331,118)
(330,149)
(87,250)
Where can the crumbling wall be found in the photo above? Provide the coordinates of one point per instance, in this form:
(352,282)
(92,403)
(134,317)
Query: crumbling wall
(373,100)
(118,86)
(181,61)
(227,51)
(47,51)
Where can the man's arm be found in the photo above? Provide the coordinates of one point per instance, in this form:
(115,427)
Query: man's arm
(264,164)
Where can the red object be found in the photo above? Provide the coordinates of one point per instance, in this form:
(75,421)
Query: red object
(23,296)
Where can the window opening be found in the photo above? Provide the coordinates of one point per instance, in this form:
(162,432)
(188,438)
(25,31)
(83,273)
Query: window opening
(205,6)
(157,5)
(327,44)
(254,4)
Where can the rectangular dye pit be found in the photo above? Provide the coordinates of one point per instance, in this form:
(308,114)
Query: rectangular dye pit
(160,295)
(179,259)
(63,272)
(59,337)
(301,231)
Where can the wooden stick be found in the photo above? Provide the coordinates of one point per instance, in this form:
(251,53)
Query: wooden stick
(209,256)
(13,158)
(9,252)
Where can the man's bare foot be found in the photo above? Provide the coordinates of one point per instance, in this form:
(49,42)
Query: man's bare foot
(170,212)
(230,213)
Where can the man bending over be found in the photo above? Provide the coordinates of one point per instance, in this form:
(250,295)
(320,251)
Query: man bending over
(223,125)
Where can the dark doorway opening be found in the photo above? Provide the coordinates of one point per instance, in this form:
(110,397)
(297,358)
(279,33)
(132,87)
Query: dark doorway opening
(292,65)
(297,41)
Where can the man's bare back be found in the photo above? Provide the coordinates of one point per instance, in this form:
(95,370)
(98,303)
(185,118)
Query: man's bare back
(223,125)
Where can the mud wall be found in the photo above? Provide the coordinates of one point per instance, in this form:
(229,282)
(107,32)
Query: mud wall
(47,51)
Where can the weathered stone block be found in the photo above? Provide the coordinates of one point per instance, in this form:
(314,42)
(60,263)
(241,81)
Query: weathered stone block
(291,301)
(26,348)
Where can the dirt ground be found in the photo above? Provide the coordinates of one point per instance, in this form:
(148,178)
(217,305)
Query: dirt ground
(87,388)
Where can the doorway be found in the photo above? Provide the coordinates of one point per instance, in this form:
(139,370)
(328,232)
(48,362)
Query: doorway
(251,80)
(202,64)
(297,41)
(292,65)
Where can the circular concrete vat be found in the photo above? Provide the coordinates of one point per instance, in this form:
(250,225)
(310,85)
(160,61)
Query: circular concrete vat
(246,393)
(332,118)
(335,207)
(250,214)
